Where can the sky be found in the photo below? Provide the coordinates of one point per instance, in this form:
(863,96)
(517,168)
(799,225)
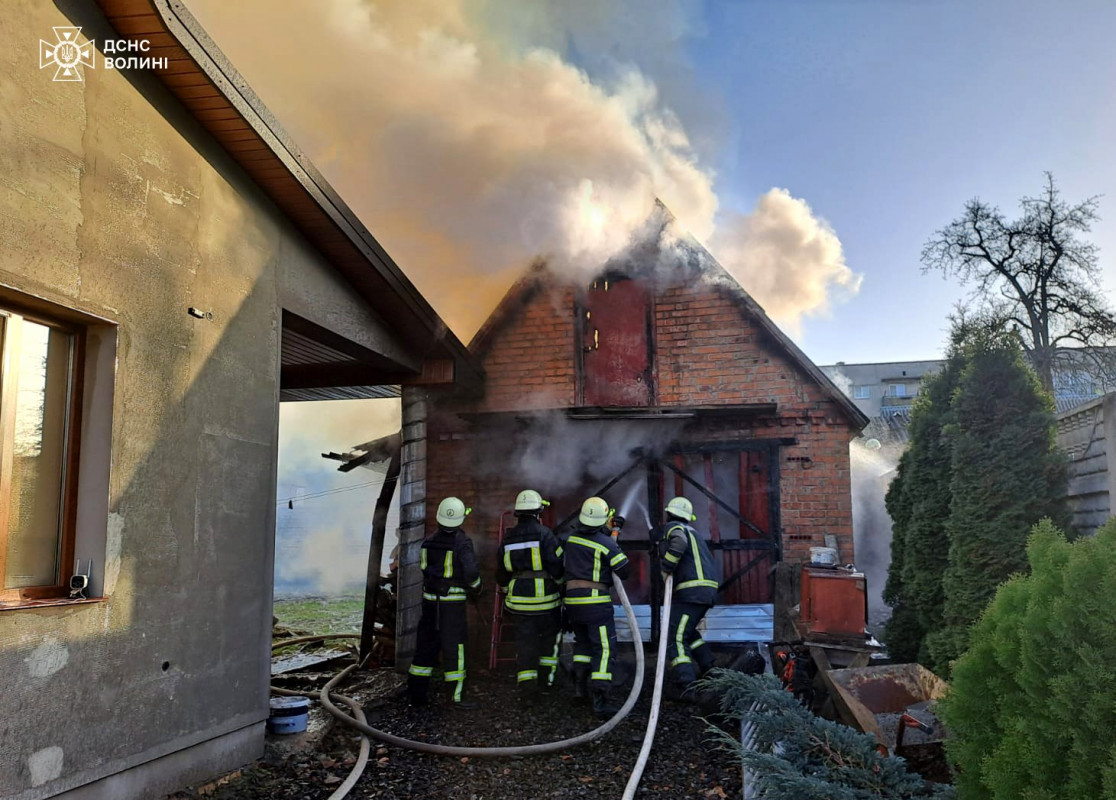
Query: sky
(813,145)
(888,116)
(883,117)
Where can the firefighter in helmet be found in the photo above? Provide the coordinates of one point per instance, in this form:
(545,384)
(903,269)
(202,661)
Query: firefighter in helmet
(529,568)
(686,556)
(591,557)
(449,577)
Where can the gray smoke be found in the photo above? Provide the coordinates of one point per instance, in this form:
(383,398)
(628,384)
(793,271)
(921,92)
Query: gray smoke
(872,472)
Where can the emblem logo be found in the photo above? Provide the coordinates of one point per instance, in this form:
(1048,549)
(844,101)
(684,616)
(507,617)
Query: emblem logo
(67,53)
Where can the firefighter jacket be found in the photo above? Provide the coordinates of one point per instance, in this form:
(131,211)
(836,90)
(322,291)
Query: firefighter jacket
(530,566)
(687,557)
(591,556)
(449,566)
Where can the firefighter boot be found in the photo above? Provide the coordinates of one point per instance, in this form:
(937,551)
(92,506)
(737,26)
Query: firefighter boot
(581,682)
(603,705)
(418,696)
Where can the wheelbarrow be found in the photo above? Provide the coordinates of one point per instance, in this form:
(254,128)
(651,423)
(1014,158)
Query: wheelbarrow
(895,703)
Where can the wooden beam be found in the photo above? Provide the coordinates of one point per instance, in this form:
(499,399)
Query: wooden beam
(356,373)
(376,551)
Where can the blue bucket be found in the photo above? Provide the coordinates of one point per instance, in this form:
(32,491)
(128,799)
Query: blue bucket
(288,715)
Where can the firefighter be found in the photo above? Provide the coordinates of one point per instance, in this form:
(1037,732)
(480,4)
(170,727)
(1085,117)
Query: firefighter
(686,556)
(449,577)
(529,568)
(591,557)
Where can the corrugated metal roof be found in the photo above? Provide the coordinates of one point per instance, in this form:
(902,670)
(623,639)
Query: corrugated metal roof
(751,622)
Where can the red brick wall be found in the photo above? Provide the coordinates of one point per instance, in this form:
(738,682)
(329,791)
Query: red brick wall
(708,352)
(530,363)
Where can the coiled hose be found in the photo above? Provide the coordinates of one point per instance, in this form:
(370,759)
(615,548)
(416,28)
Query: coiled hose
(360,723)
(502,752)
(347,785)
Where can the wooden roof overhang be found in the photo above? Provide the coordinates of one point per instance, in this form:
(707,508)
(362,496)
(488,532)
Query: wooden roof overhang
(314,366)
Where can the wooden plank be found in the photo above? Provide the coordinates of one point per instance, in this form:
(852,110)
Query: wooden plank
(125,8)
(196,92)
(376,551)
(135,25)
(185,79)
(710,484)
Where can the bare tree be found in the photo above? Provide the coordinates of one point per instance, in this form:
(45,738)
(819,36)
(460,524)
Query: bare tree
(1035,275)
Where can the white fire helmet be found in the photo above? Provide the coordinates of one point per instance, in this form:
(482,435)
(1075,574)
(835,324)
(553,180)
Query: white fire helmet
(452,512)
(681,508)
(529,501)
(594,512)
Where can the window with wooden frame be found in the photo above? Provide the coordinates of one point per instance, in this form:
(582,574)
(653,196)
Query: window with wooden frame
(41,360)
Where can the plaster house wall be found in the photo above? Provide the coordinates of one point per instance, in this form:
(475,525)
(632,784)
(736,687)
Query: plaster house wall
(114,203)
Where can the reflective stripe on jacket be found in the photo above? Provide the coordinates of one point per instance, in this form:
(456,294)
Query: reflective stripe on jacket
(591,554)
(530,565)
(449,566)
(687,557)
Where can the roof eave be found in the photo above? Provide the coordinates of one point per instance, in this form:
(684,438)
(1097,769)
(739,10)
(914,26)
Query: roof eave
(386,289)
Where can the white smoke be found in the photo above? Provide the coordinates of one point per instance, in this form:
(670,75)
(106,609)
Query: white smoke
(335,518)
(787,258)
(469,154)
(872,473)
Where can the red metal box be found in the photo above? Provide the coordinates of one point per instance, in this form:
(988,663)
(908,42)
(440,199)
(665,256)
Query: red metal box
(834,603)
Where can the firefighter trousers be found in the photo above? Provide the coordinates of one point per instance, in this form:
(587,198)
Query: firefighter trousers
(442,631)
(536,646)
(594,646)
(687,652)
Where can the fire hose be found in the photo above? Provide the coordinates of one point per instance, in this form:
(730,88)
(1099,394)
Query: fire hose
(359,723)
(502,752)
(656,698)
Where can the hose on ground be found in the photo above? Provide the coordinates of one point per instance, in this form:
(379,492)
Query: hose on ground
(503,752)
(656,697)
(342,791)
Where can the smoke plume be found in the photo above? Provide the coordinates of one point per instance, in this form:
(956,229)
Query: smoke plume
(787,258)
(469,147)
(872,472)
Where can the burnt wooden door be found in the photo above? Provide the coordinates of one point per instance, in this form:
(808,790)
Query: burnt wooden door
(616,344)
(736,497)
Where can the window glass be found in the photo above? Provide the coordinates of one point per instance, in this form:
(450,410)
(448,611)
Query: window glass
(898,390)
(862,392)
(39,359)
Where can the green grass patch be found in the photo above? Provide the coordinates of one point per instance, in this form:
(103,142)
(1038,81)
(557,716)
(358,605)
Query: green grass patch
(321,614)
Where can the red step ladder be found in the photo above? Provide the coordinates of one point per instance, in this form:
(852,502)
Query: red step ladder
(499,626)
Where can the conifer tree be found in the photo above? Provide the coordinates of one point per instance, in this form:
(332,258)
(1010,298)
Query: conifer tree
(1005,475)
(1032,706)
(902,632)
(799,756)
(918,501)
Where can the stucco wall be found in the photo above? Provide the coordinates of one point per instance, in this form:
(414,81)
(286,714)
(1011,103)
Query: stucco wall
(114,202)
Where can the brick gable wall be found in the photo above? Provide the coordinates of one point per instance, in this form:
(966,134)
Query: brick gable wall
(707,352)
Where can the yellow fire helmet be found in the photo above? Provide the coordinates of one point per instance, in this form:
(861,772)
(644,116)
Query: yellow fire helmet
(530,501)
(452,512)
(594,512)
(682,508)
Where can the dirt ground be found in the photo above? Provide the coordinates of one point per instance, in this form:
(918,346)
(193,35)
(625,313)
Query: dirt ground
(683,763)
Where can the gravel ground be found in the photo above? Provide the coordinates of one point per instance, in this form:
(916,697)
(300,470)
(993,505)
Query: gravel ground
(683,762)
